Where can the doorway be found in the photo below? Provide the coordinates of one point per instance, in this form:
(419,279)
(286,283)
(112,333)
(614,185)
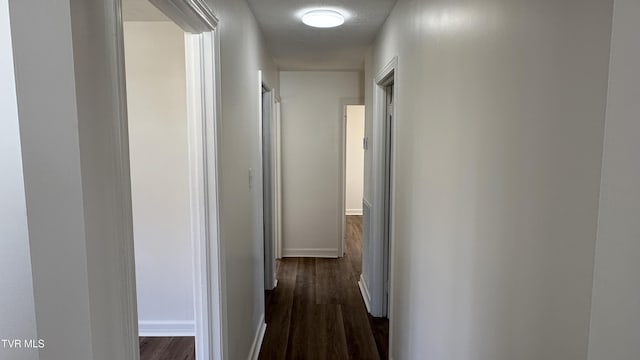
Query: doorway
(353,170)
(159,166)
(270,184)
(376,280)
(388,87)
(172,82)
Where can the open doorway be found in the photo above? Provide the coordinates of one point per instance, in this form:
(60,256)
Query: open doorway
(376,280)
(269,193)
(159,157)
(387,86)
(170,56)
(353,184)
(270,208)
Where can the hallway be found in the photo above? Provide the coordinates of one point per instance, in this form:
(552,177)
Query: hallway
(500,193)
(317,312)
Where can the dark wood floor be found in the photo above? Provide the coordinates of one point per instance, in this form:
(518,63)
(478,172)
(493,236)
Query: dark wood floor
(317,312)
(167,348)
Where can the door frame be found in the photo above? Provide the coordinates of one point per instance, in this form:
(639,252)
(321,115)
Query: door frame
(384,179)
(342,171)
(204,117)
(270,248)
(202,55)
(278,176)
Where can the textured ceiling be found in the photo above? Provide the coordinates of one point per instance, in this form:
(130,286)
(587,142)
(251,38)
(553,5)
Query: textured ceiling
(295,46)
(141,10)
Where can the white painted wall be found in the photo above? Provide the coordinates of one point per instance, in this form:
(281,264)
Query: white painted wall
(158,143)
(79,219)
(615,319)
(500,122)
(78,209)
(17,309)
(242,55)
(312,110)
(354,168)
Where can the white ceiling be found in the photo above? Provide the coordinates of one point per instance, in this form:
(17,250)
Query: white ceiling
(141,10)
(295,46)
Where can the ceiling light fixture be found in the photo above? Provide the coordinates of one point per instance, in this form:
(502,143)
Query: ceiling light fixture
(323,18)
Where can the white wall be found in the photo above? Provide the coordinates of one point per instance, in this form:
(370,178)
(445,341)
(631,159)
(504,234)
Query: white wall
(615,322)
(79,217)
(158,143)
(500,121)
(241,57)
(77,207)
(354,167)
(312,111)
(17,310)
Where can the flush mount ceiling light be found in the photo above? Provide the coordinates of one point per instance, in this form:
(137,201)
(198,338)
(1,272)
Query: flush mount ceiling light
(323,18)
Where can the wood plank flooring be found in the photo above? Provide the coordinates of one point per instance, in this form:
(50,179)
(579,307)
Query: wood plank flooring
(167,348)
(316,312)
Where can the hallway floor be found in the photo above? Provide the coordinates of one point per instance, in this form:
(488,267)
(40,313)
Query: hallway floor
(167,348)
(317,312)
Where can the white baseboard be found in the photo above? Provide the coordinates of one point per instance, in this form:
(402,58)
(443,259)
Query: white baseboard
(257,340)
(364,291)
(166,328)
(272,285)
(319,253)
(353,212)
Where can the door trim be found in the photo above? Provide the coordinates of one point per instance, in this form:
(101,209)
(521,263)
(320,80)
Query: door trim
(383,258)
(382,227)
(278,177)
(204,115)
(127,258)
(269,247)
